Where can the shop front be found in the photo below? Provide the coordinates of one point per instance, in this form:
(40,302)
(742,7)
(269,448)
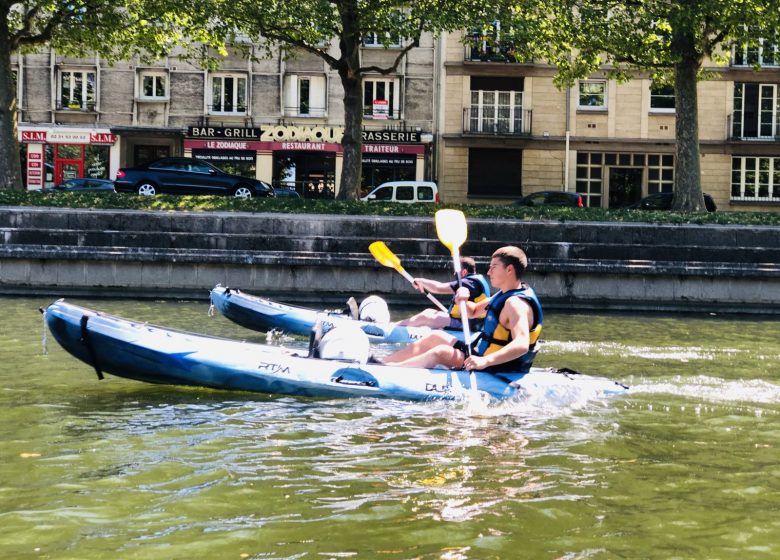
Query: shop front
(53,155)
(307,159)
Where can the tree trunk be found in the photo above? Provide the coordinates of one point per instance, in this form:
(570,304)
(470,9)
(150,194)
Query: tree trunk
(351,81)
(10,166)
(687,165)
(351,172)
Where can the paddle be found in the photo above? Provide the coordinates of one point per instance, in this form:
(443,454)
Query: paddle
(386,257)
(452,231)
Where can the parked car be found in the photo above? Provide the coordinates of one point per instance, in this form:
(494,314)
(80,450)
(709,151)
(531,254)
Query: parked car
(663,201)
(551,198)
(181,175)
(286,192)
(404,191)
(83,184)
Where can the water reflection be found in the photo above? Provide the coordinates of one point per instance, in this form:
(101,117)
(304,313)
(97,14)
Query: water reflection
(679,467)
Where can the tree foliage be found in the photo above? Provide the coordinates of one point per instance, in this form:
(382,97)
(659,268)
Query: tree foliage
(671,40)
(113,29)
(314,25)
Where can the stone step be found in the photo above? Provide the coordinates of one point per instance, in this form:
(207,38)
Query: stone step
(337,245)
(387,228)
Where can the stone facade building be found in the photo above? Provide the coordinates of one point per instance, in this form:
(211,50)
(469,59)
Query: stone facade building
(463,113)
(276,119)
(508,131)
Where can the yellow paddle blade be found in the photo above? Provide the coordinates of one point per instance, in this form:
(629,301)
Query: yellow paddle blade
(451,228)
(384,255)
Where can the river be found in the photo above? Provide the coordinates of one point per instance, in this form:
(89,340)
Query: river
(685,465)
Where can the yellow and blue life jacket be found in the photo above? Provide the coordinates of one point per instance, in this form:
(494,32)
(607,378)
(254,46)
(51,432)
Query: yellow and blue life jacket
(495,336)
(481,282)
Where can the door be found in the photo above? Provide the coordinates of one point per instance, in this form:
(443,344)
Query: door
(625,186)
(67,169)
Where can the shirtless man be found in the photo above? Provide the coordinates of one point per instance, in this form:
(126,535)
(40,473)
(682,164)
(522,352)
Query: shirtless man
(512,325)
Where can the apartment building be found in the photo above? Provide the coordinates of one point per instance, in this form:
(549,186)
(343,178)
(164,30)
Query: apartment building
(276,119)
(508,131)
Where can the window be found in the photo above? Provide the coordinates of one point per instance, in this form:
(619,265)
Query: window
(380,98)
(661,98)
(765,54)
(496,112)
(756,111)
(304,96)
(153,85)
(424,193)
(228,93)
(77,90)
(486,44)
(755,179)
(495,173)
(404,193)
(385,193)
(375,40)
(590,178)
(592,95)
(660,173)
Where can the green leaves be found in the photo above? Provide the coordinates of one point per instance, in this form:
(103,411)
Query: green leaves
(168,203)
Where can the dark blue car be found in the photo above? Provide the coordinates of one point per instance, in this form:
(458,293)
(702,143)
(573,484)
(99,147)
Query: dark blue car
(181,175)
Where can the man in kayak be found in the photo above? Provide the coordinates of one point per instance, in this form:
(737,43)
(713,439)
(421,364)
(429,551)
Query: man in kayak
(476,284)
(510,334)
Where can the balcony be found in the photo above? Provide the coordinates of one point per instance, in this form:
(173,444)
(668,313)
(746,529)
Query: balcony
(766,131)
(487,52)
(88,107)
(305,112)
(497,120)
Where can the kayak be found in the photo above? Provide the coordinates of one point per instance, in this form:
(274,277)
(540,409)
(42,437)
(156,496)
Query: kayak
(261,314)
(153,354)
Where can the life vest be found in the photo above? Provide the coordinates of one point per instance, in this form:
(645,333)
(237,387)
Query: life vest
(495,336)
(482,282)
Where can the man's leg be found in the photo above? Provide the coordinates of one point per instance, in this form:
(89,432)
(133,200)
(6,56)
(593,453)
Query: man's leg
(420,347)
(427,318)
(442,355)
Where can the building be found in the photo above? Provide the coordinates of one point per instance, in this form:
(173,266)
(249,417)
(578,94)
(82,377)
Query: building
(279,120)
(508,131)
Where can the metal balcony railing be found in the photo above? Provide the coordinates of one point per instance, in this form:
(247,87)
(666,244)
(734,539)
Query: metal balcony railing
(304,111)
(76,106)
(485,52)
(497,120)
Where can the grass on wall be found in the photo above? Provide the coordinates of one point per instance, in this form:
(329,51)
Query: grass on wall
(172,203)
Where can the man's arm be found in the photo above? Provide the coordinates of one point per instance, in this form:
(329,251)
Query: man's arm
(433,286)
(516,317)
(474,309)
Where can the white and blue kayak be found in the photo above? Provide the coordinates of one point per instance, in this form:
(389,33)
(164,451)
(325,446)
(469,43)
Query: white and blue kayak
(261,314)
(144,352)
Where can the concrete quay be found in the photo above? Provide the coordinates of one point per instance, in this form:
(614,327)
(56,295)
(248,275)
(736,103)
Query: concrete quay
(320,258)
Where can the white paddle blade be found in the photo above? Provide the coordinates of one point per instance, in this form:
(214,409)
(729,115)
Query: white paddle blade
(451,228)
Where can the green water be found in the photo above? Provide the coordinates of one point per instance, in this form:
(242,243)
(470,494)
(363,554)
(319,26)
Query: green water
(686,465)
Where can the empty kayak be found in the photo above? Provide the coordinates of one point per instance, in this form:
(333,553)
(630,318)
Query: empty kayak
(153,354)
(262,314)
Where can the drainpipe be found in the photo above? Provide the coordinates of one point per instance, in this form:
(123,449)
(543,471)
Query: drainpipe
(568,136)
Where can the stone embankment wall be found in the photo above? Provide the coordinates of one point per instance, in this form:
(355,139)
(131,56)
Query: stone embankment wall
(316,258)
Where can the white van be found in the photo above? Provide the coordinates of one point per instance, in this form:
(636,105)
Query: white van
(404,191)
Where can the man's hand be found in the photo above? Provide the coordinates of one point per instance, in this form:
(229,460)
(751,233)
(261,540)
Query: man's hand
(475,363)
(462,294)
(418,283)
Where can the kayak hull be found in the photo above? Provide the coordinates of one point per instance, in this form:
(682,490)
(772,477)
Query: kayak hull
(152,354)
(262,314)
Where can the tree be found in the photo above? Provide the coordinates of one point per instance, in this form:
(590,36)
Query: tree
(311,25)
(669,39)
(115,29)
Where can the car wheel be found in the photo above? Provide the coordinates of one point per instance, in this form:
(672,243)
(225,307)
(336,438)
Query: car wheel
(243,191)
(146,188)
